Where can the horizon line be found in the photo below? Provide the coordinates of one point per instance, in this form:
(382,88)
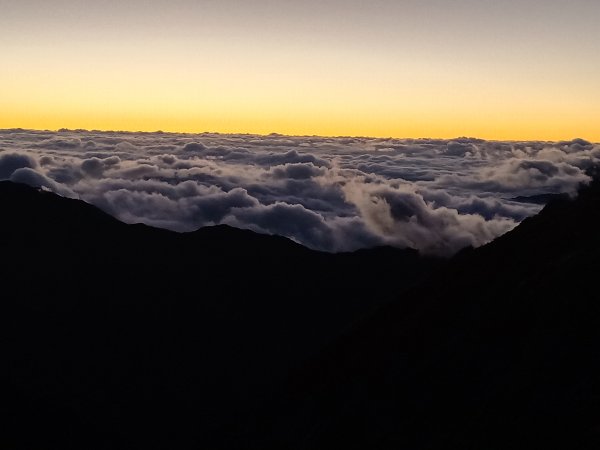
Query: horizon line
(273,134)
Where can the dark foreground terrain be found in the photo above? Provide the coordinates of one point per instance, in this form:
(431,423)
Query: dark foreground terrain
(122,336)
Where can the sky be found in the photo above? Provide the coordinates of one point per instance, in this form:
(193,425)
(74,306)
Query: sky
(494,69)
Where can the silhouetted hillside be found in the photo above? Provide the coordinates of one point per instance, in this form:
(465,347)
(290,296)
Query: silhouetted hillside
(127,336)
(499,350)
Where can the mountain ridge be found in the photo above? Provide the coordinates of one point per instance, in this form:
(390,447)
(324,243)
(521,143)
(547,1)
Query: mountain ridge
(102,320)
(501,326)
(495,348)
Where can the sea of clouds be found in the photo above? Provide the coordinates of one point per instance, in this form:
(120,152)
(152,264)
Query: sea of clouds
(332,194)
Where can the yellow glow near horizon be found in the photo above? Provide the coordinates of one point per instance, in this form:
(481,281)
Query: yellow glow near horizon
(334,116)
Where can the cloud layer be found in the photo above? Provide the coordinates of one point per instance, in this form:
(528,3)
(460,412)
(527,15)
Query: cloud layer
(332,194)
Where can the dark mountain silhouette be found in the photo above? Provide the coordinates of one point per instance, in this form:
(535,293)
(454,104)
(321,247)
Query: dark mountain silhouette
(499,350)
(125,336)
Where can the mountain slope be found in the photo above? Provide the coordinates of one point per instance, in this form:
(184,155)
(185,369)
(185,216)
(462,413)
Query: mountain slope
(127,336)
(499,350)
(124,336)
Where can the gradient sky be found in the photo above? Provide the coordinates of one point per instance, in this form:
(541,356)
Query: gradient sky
(496,69)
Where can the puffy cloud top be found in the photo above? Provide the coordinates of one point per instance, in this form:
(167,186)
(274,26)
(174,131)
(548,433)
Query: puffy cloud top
(9,162)
(333,194)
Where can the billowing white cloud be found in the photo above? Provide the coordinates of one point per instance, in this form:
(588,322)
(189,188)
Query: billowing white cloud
(333,194)
(10,162)
(29,176)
